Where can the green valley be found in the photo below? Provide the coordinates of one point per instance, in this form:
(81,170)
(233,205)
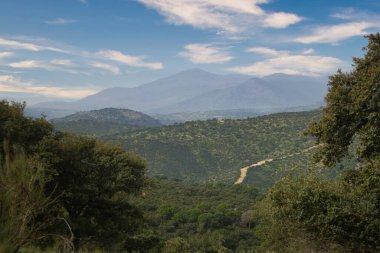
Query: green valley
(215,150)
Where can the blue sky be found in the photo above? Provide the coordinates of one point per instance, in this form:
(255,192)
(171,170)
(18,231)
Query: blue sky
(68,49)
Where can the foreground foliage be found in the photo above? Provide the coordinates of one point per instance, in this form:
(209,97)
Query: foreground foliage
(24,206)
(96,181)
(313,214)
(62,191)
(352,113)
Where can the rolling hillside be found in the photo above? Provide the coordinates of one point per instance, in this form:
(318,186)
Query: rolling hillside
(204,151)
(105,121)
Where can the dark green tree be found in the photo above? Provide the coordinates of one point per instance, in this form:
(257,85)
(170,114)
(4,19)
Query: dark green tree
(17,129)
(95,180)
(352,111)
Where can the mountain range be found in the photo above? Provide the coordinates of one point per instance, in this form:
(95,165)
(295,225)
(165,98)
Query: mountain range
(196,90)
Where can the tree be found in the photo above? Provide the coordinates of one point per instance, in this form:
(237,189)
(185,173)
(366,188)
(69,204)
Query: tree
(95,180)
(352,112)
(247,218)
(16,129)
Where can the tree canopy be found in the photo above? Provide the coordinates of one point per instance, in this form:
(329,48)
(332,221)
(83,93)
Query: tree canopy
(352,111)
(57,185)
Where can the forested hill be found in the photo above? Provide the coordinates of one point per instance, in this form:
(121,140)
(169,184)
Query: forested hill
(215,150)
(105,121)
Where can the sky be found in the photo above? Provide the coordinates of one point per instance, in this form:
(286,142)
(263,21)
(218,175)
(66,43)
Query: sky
(68,49)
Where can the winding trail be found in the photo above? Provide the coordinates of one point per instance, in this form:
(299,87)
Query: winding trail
(244,171)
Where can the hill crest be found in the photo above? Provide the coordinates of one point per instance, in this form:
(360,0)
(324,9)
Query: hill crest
(112,115)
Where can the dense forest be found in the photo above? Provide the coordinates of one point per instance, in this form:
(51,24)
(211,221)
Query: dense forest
(65,193)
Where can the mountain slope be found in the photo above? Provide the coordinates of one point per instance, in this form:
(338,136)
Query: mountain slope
(261,94)
(295,90)
(252,94)
(204,151)
(105,121)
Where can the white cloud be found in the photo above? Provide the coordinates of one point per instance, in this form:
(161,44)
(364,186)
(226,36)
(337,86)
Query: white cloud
(135,61)
(11,83)
(345,14)
(6,78)
(227,15)
(104,66)
(83,55)
(5,55)
(281,20)
(83,2)
(13,44)
(61,21)
(28,65)
(308,65)
(307,51)
(53,65)
(351,14)
(337,33)
(205,53)
(267,51)
(63,62)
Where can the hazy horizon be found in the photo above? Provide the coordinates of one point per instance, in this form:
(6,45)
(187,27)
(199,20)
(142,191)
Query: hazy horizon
(71,49)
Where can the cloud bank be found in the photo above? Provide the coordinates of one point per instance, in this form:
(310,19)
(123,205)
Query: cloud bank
(227,15)
(11,83)
(286,63)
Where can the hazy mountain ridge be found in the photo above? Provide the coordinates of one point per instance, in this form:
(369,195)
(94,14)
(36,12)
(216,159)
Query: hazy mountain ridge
(198,91)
